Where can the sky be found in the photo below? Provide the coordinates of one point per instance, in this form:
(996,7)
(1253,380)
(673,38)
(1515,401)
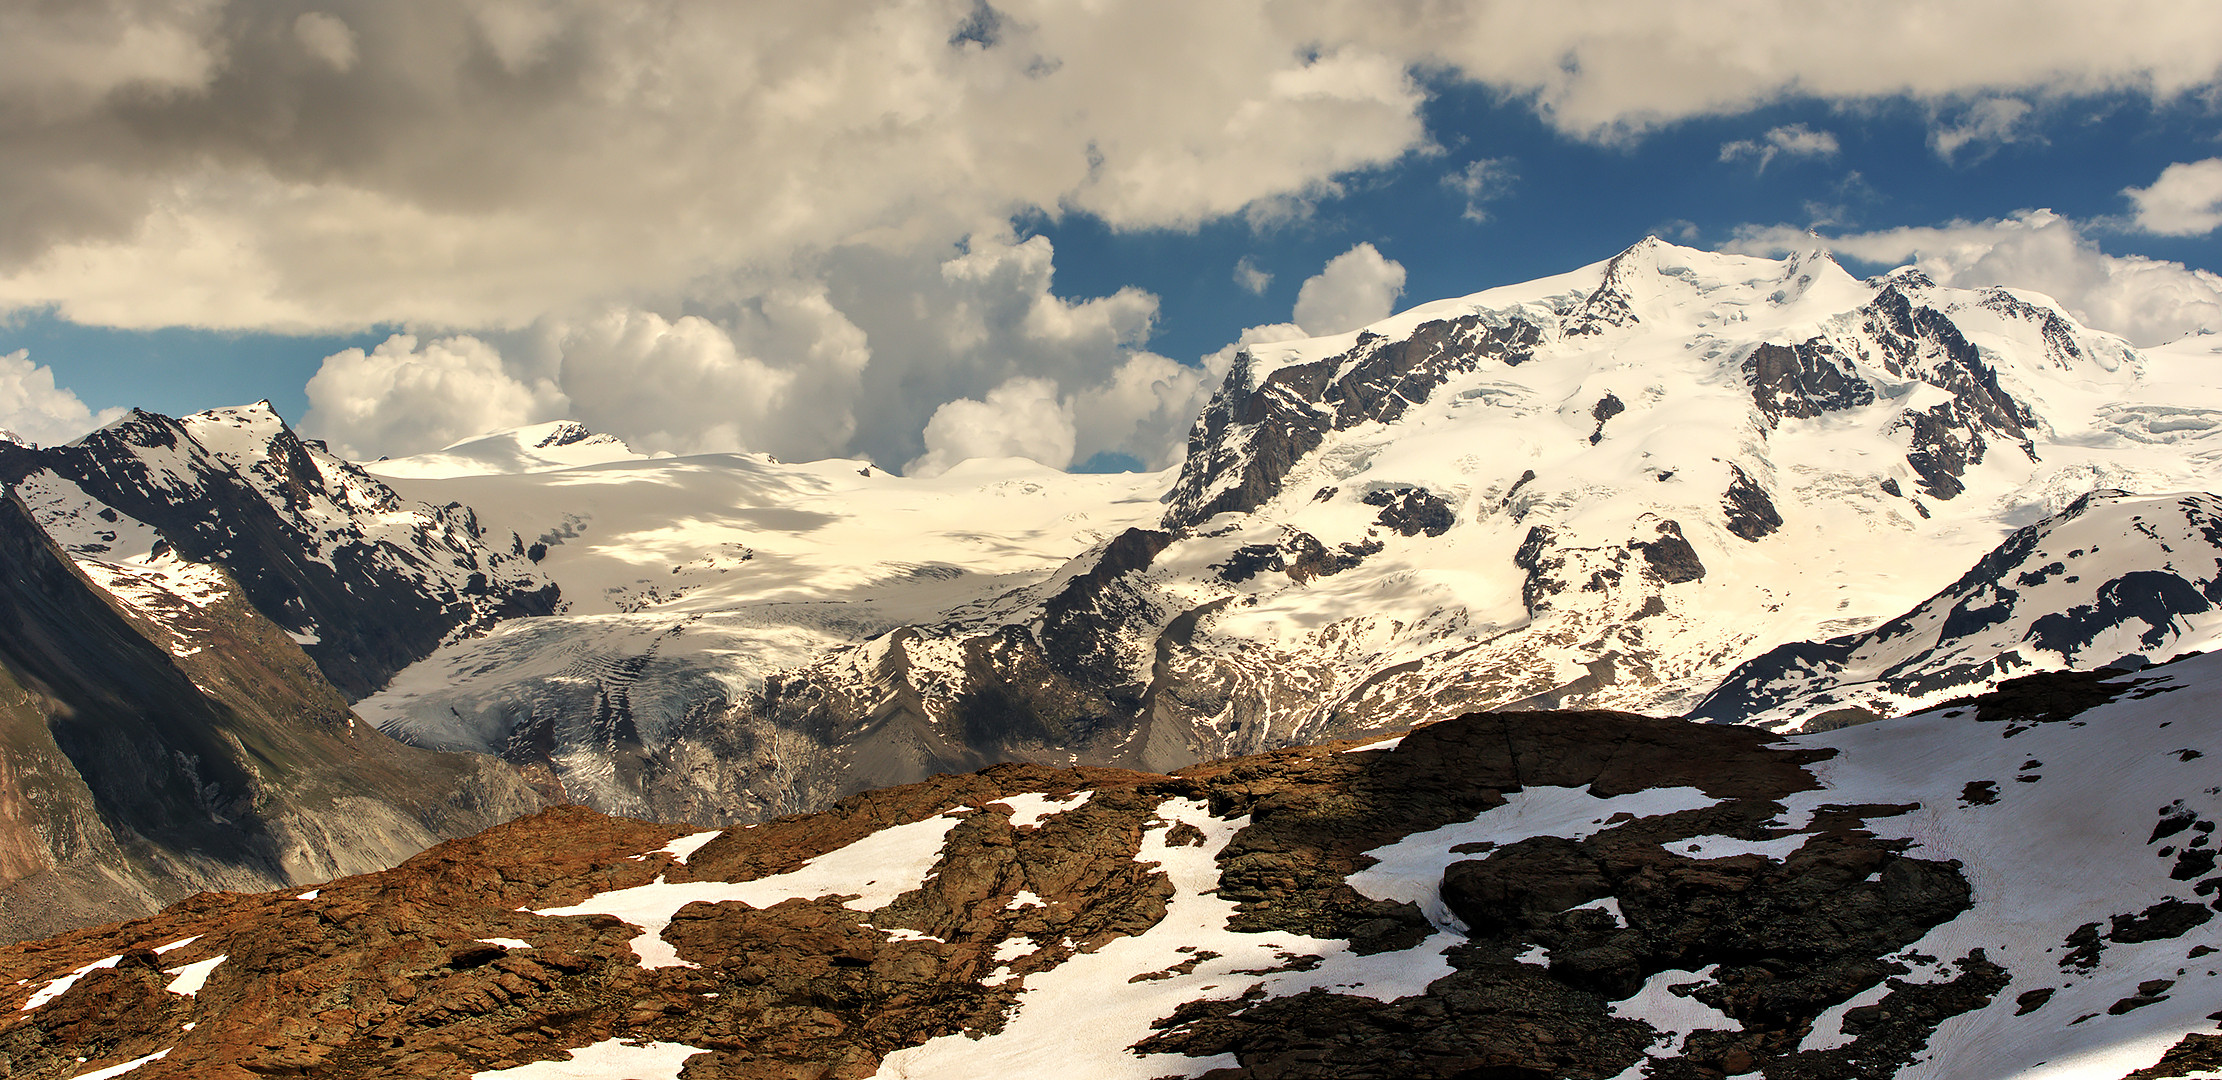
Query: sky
(925,230)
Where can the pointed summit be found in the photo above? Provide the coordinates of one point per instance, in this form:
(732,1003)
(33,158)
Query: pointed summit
(1611,304)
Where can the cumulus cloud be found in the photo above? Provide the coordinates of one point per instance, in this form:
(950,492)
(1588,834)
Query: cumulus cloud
(480,164)
(855,361)
(2185,201)
(1021,418)
(1793,140)
(782,376)
(401,399)
(1482,182)
(1143,410)
(33,408)
(1356,287)
(2148,301)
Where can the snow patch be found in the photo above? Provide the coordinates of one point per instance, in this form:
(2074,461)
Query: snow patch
(61,986)
(610,1059)
(1385,744)
(128,1066)
(684,848)
(1064,1015)
(872,871)
(1029,810)
(1609,905)
(1675,1015)
(1715,846)
(193,976)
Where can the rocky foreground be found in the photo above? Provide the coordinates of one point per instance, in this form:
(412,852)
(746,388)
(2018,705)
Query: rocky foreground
(2023,882)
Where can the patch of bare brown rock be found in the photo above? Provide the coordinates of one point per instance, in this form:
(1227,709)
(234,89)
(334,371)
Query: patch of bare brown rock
(394,974)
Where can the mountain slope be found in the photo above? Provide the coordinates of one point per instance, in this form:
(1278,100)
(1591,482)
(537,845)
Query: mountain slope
(2114,580)
(366,582)
(1517,895)
(182,742)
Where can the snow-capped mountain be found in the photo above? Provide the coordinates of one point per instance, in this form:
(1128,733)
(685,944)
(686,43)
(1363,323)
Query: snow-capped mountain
(2113,581)
(693,586)
(560,444)
(1604,488)
(2020,885)
(367,582)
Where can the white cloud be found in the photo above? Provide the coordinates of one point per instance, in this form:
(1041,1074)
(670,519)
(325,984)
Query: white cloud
(1482,181)
(1143,410)
(32,407)
(2148,301)
(1357,287)
(680,385)
(790,372)
(478,165)
(796,177)
(1987,124)
(1793,140)
(1609,69)
(2185,201)
(326,37)
(1252,279)
(1021,418)
(402,399)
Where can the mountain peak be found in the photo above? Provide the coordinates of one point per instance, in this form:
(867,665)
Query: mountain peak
(553,444)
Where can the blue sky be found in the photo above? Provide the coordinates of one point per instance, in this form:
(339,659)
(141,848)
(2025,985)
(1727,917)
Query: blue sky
(1571,202)
(1037,259)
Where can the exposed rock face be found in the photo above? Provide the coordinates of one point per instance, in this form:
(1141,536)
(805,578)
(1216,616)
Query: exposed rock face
(1255,429)
(445,985)
(1803,381)
(1671,559)
(367,582)
(1412,511)
(146,755)
(1512,895)
(1750,513)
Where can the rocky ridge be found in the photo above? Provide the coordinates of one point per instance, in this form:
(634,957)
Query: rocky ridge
(158,739)
(1535,894)
(2114,581)
(366,582)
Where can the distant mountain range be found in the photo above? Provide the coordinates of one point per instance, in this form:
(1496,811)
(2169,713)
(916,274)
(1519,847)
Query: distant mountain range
(1108,775)
(1607,488)
(1675,482)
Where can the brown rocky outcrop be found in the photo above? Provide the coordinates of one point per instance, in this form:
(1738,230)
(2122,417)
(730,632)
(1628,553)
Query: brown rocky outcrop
(440,968)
